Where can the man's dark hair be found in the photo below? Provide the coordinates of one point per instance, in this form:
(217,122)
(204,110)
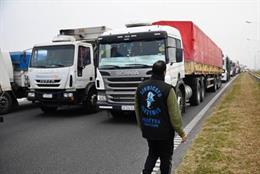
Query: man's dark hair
(159,67)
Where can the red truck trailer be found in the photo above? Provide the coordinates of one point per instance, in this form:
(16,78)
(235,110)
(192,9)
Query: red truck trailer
(194,62)
(201,54)
(202,59)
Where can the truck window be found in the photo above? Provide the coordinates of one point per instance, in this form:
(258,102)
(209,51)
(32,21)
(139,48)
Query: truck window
(171,42)
(172,49)
(56,56)
(131,54)
(84,56)
(84,59)
(178,43)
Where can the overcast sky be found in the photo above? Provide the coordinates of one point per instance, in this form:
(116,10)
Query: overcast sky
(24,23)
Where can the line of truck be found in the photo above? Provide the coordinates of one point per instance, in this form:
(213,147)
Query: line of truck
(100,68)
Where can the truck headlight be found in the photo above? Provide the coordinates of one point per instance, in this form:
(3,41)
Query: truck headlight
(31,94)
(101,97)
(67,95)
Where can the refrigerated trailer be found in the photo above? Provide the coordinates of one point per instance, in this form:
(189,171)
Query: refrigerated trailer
(194,62)
(62,72)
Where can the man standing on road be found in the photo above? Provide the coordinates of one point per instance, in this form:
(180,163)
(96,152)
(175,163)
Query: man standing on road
(158,116)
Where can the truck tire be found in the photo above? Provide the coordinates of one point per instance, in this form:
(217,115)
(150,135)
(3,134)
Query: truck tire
(91,101)
(202,91)
(196,92)
(49,109)
(215,86)
(219,83)
(181,101)
(5,103)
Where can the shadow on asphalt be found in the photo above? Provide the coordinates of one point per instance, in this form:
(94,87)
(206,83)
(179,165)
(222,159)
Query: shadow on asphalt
(128,118)
(23,107)
(68,112)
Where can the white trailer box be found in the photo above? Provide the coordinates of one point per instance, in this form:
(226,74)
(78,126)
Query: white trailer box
(6,72)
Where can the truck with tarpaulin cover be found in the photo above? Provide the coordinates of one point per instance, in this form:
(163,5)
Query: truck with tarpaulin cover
(194,62)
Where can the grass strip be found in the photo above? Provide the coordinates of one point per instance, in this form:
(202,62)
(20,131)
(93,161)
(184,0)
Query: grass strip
(229,142)
(257,73)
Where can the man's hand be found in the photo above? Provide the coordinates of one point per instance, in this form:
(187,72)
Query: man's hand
(184,138)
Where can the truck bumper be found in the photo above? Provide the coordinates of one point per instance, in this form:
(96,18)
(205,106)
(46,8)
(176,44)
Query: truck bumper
(115,107)
(53,98)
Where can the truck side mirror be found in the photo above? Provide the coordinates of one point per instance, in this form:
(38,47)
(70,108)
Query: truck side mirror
(179,55)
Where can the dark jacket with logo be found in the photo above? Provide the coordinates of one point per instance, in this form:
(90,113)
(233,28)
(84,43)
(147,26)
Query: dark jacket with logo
(156,109)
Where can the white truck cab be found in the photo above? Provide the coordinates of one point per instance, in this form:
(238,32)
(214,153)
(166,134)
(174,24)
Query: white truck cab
(226,67)
(126,57)
(63,72)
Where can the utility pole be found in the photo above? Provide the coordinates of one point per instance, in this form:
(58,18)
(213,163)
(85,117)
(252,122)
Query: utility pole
(257,40)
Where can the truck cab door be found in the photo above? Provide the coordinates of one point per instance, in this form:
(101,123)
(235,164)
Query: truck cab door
(175,67)
(85,66)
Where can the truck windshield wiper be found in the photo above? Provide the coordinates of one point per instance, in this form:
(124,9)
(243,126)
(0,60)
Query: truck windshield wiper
(109,67)
(39,66)
(138,65)
(58,65)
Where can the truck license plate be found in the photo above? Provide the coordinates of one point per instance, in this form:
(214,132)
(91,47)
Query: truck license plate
(128,107)
(47,95)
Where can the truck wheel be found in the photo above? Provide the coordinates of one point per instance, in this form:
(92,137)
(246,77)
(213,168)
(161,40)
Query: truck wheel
(49,109)
(219,83)
(181,101)
(196,93)
(5,103)
(202,91)
(91,104)
(215,86)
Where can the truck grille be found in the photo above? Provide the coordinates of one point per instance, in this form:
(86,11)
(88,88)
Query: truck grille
(121,90)
(47,83)
(121,98)
(126,85)
(127,79)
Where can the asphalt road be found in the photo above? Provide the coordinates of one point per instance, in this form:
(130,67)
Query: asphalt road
(72,141)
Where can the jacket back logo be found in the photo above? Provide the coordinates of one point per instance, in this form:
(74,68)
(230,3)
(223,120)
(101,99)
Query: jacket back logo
(149,99)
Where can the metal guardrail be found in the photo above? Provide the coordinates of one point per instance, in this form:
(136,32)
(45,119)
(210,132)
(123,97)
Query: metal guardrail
(255,76)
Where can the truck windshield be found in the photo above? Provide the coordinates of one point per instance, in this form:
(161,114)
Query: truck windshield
(135,54)
(52,56)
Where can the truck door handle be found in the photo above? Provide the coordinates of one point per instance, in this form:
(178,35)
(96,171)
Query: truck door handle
(91,78)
